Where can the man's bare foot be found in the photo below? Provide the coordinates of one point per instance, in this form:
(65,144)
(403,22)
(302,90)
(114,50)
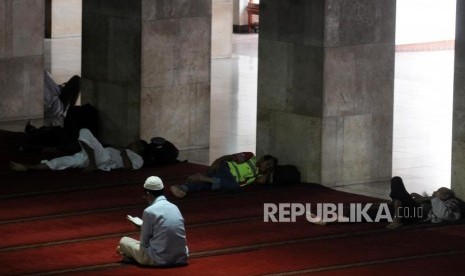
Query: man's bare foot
(18,166)
(177,191)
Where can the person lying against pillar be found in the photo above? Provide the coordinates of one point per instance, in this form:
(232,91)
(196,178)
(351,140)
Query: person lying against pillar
(93,156)
(403,200)
(406,208)
(229,173)
(442,206)
(59,98)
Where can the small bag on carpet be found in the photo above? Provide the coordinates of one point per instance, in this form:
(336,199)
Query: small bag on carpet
(161,152)
(286,175)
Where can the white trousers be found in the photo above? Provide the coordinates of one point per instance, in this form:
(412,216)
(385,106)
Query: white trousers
(80,159)
(131,249)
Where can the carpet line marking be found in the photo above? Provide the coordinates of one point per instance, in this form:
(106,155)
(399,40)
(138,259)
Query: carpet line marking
(367,263)
(176,201)
(79,269)
(289,273)
(82,188)
(70,214)
(119,234)
(237,248)
(64,242)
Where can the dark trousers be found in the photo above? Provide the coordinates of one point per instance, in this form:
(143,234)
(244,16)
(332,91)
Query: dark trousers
(70,92)
(222,180)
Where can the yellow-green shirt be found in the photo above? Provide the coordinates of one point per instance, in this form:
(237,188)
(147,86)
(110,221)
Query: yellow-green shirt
(245,173)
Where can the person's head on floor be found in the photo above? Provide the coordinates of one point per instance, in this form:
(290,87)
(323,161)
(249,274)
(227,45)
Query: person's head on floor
(138,146)
(154,188)
(444,193)
(267,163)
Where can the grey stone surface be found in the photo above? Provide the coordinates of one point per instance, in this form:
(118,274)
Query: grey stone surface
(21,59)
(337,94)
(358,79)
(3,30)
(297,21)
(28,27)
(182,8)
(113,8)
(179,113)
(458,121)
(95,46)
(157,44)
(458,133)
(118,109)
(292,77)
(157,60)
(359,21)
(22,82)
(273,74)
(293,139)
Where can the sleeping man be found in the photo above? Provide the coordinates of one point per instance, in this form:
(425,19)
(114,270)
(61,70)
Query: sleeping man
(93,156)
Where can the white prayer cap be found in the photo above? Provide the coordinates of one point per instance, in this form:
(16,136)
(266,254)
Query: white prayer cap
(153,183)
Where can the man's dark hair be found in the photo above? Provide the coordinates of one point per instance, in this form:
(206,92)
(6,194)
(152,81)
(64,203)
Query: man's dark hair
(157,193)
(270,157)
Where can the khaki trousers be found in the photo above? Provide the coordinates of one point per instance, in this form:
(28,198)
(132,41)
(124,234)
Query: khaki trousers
(131,249)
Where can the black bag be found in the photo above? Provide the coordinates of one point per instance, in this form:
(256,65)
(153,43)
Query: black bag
(161,152)
(286,175)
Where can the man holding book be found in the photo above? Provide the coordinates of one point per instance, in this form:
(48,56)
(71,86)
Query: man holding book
(162,238)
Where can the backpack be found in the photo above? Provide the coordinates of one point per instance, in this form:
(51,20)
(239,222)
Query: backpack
(161,152)
(286,175)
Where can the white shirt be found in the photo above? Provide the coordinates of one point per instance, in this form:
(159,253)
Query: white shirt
(162,233)
(53,107)
(448,210)
(106,159)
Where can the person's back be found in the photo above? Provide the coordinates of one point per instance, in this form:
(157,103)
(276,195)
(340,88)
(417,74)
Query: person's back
(163,233)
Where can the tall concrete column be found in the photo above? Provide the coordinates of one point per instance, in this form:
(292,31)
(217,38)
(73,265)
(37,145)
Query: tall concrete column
(21,59)
(325,88)
(458,124)
(146,67)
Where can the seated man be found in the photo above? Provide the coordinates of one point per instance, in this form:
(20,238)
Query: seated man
(57,99)
(92,156)
(229,173)
(162,233)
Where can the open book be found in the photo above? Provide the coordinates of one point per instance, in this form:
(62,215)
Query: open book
(137,221)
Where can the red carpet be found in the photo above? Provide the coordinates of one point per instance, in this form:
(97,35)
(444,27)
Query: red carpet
(70,223)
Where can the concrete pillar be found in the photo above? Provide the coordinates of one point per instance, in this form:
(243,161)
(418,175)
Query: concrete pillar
(146,67)
(325,88)
(458,124)
(21,59)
